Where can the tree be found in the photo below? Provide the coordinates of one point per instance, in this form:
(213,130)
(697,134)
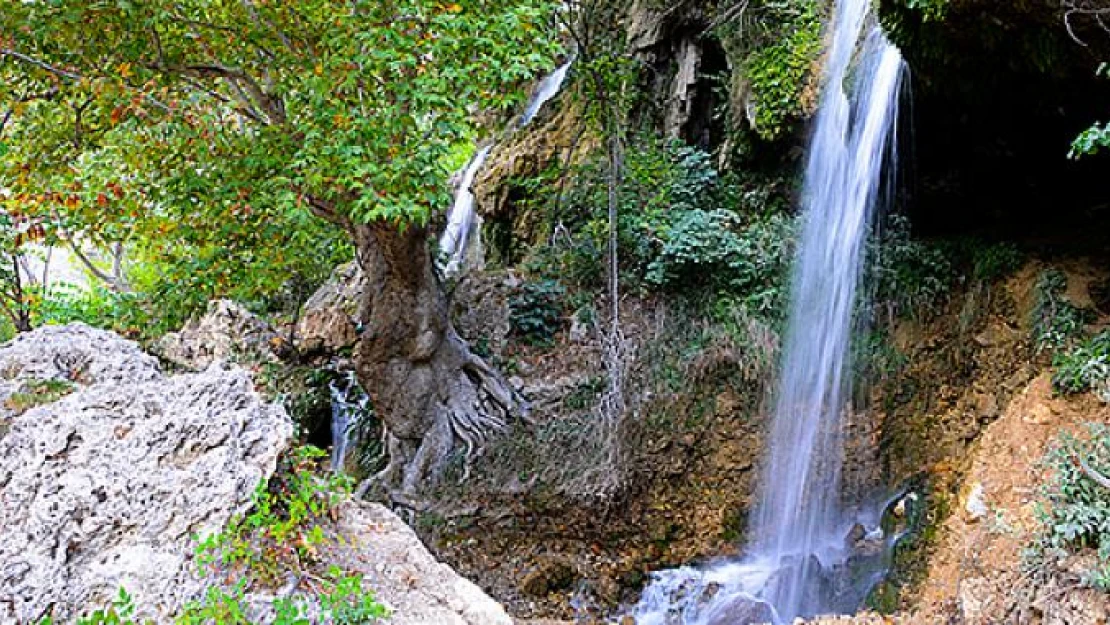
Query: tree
(242,111)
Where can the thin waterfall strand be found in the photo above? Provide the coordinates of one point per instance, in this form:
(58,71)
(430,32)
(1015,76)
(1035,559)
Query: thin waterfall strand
(462,218)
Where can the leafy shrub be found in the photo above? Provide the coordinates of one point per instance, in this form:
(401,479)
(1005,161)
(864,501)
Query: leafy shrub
(1057,323)
(37,393)
(287,511)
(1084,367)
(991,262)
(129,314)
(911,277)
(536,311)
(714,248)
(781,69)
(1077,515)
(282,533)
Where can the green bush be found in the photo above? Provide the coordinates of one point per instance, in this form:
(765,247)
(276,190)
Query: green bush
(716,249)
(781,69)
(536,311)
(679,217)
(1077,511)
(911,277)
(1085,367)
(128,314)
(994,261)
(1057,323)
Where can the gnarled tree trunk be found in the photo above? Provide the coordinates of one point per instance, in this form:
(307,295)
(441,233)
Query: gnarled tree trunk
(431,392)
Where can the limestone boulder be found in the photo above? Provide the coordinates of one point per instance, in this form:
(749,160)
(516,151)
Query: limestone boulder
(226,332)
(329,319)
(405,576)
(107,487)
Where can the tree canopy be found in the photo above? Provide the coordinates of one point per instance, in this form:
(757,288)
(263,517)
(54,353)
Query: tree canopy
(201,131)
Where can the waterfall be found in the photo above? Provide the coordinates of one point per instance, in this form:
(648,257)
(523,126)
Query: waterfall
(348,404)
(547,89)
(460,221)
(799,503)
(799,531)
(454,242)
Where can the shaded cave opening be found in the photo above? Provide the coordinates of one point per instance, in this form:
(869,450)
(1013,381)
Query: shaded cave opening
(995,104)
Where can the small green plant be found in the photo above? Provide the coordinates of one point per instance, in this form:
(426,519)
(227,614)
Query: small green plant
(1057,323)
(120,613)
(283,528)
(780,62)
(912,277)
(344,602)
(1076,513)
(585,394)
(38,393)
(995,261)
(1085,367)
(536,311)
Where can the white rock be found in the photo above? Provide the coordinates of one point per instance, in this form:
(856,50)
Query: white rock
(106,487)
(405,576)
(227,332)
(976,504)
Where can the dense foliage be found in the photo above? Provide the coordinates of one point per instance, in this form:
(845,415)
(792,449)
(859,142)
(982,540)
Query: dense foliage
(1077,511)
(683,227)
(200,136)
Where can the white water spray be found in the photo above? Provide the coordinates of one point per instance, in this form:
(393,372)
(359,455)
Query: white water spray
(547,89)
(460,221)
(798,531)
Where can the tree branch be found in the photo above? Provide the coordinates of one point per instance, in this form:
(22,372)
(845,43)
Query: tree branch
(40,64)
(1097,477)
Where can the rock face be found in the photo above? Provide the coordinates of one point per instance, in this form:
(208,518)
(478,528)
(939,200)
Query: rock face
(74,353)
(226,332)
(106,487)
(329,319)
(404,575)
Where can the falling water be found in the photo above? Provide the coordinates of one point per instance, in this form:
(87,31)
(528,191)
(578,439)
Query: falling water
(460,221)
(454,242)
(799,528)
(348,404)
(547,89)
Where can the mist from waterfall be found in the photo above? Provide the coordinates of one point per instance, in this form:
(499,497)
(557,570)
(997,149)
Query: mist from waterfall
(799,554)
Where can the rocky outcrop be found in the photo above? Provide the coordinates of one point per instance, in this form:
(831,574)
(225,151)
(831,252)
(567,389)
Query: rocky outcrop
(329,319)
(405,577)
(107,487)
(76,354)
(226,332)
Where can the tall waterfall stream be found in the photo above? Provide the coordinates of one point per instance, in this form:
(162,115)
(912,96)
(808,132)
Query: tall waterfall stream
(799,561)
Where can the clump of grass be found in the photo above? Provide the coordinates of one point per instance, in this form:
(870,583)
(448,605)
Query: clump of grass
(38,393)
